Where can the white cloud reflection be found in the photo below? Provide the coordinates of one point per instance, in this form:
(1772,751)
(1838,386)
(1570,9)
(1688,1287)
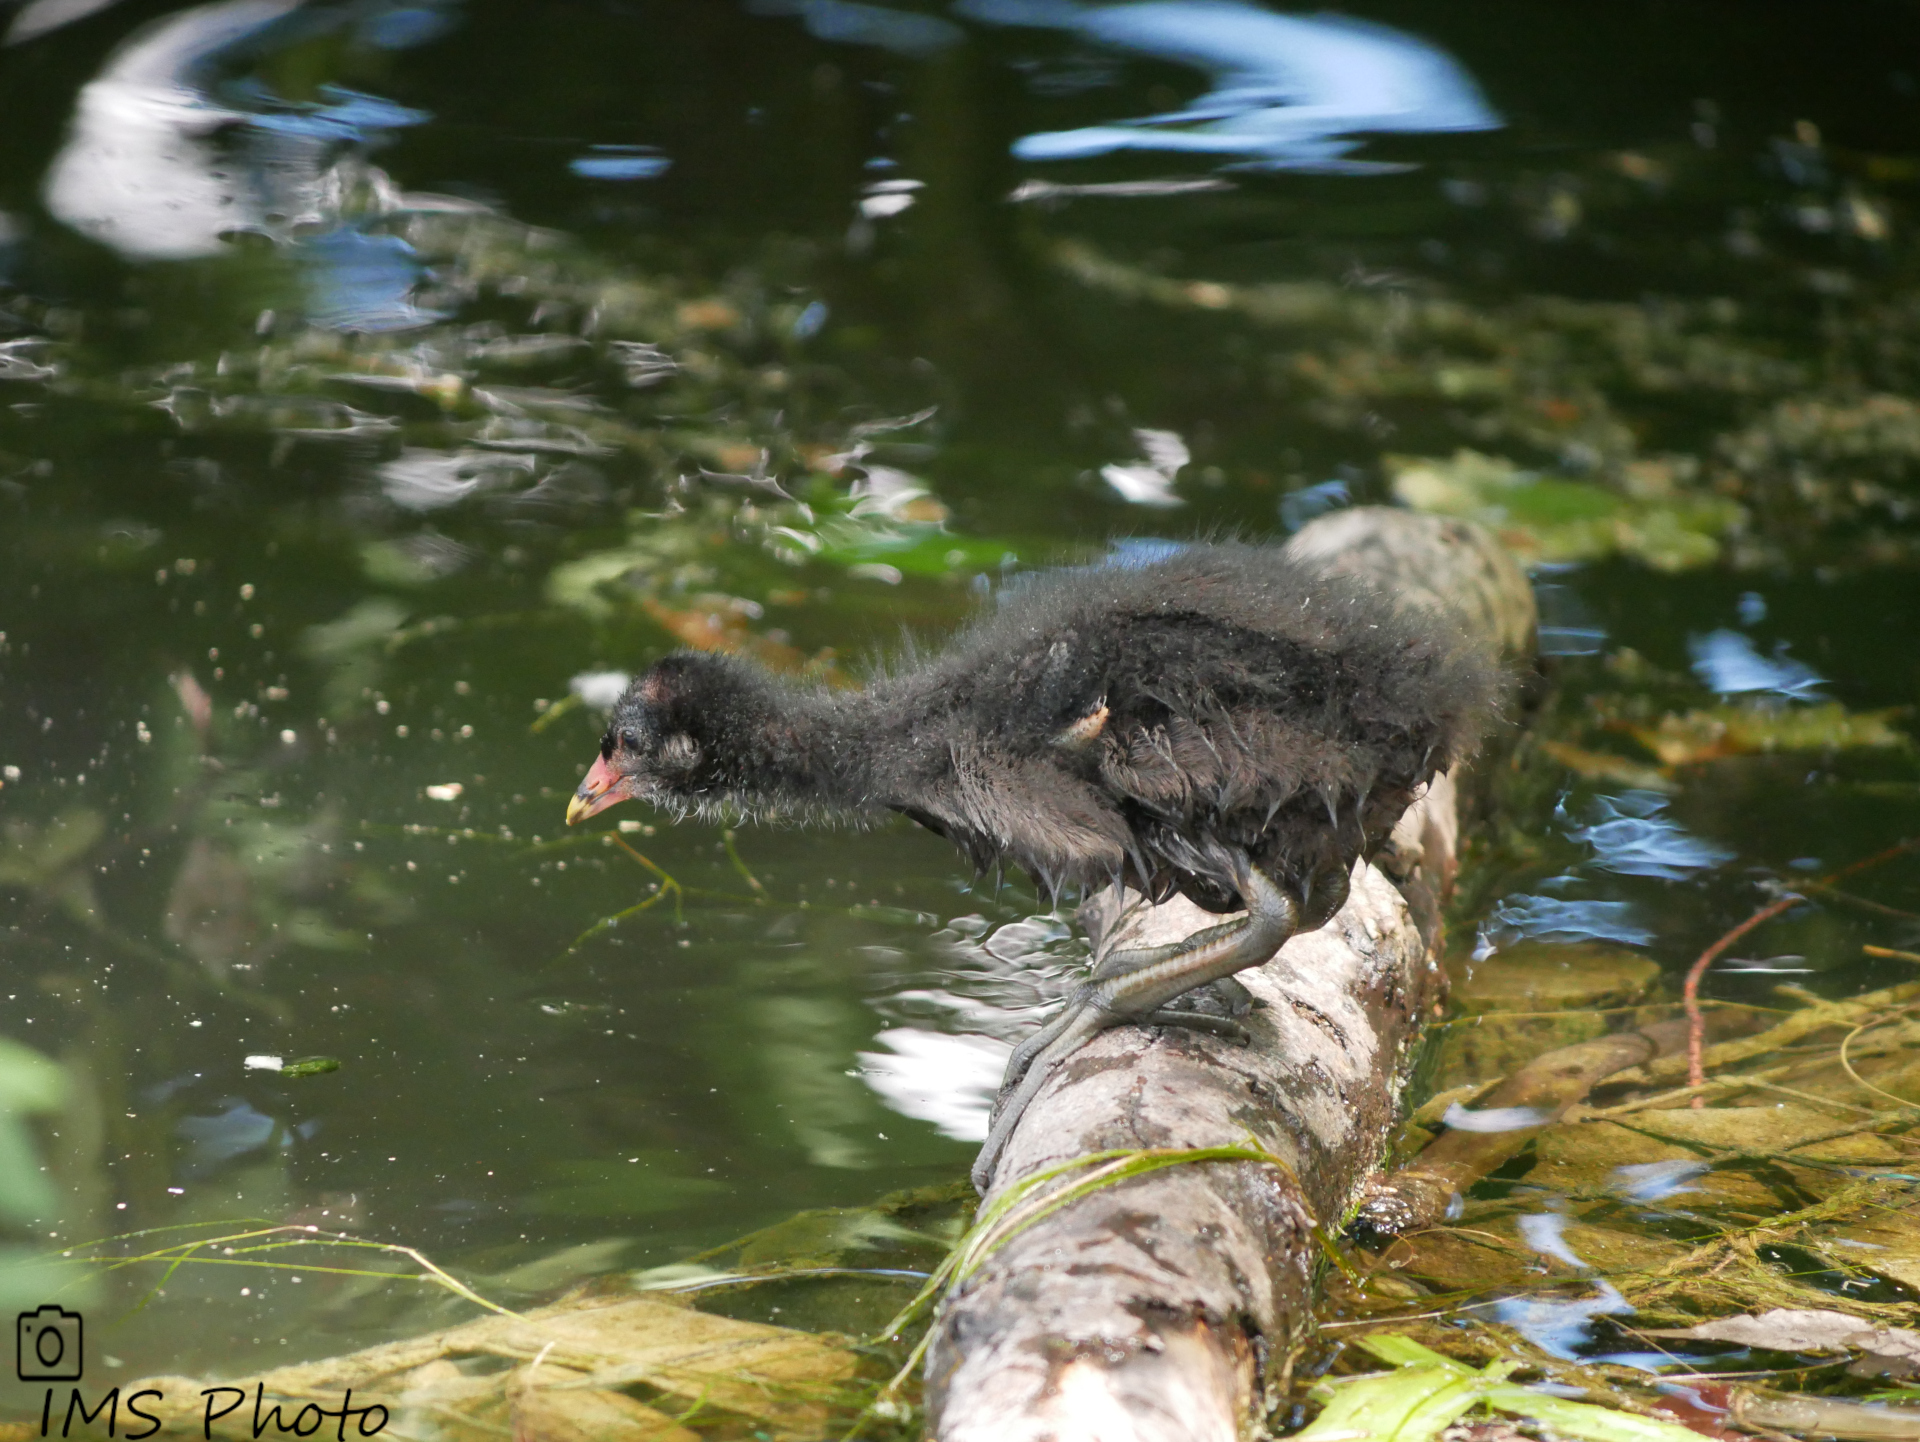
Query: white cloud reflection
(950,1081)
(37,17)
(1728,662)
(1151,484)
(138,172)
(1287,90)
(422,479)
(1494,1119)
(157,169)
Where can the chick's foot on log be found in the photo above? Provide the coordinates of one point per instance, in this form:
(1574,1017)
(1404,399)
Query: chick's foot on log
(1135,986)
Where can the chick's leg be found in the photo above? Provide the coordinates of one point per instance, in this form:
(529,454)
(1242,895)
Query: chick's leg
(1136,986)
(1113,968)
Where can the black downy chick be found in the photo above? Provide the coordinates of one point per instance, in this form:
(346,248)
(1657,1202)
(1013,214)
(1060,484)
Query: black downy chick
(1227,723)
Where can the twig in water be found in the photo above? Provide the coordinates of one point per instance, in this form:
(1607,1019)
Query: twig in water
(753,882)
(1858,1080)
(1690,993)
(1891,954)
(274,1238)
(1847,898)
(554,712)
(665,880)
(608,923)
(666,886)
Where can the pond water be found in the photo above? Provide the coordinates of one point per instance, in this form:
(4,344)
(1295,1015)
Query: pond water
(375,376)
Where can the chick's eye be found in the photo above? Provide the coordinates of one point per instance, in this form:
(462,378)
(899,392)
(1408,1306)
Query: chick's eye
(630,740)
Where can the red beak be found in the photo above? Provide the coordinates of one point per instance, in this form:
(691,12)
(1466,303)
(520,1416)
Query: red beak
(603,787)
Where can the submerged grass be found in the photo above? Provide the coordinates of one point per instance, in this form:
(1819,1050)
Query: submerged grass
(249,1248)
(1427,1392)
(1830,1198)
(597,1350)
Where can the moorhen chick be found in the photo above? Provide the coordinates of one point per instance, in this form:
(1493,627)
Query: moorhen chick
(1226,722)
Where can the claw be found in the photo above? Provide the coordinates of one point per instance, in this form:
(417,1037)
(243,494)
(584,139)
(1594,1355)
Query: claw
(1141,987)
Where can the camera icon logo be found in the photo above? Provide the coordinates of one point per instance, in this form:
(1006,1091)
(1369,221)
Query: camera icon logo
(49,1345)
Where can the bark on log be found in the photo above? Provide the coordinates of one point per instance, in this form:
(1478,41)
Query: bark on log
(1165,1307)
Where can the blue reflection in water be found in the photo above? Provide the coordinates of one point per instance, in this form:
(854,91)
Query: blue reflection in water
(1655,1181)
(1299,507)
(1130,553)
(1572,640)
(406,27)
(811,321)
(1559,1326)
(159,1092)
(1548,918)
(1630,837)
(1563,1326)
(1545,1232)
(1567,626)
(1286,89)
(136,172)
(233,1133)
(362,282)
(846,23)
(1728,662)
(346,115)
(621,162)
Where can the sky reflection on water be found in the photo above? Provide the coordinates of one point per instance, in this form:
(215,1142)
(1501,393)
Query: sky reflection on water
(1630,836)
(948,1080)
(1287,91)
(1559,1326)
(147,171)
(1729,663)
(1549,918)
(1656,1181)
(140,171)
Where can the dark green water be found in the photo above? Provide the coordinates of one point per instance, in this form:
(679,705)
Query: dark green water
(326,370)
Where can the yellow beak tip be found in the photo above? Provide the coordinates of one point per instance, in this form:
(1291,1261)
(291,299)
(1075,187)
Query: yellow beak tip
(577,810)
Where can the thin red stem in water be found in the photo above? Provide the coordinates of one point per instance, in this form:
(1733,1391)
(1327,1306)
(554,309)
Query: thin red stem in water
(1696,1023)
(1690,993)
